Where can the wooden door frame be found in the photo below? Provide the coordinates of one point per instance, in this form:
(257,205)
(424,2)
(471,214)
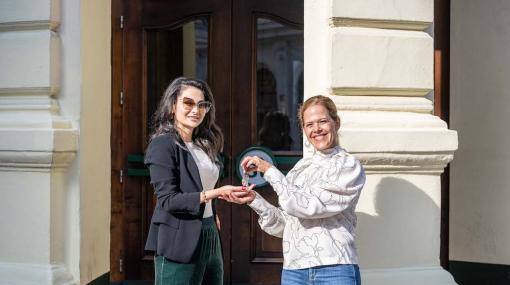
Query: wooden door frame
(124,36)
(442,109)
(116,222)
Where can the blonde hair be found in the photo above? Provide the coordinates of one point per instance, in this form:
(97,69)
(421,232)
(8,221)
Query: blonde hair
(319,100)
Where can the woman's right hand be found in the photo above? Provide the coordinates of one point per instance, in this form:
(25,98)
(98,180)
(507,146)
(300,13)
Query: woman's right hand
(255,163)
(221,192)
(224,191)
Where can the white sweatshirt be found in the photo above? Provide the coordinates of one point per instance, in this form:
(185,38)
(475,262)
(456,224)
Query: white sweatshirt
(316,217)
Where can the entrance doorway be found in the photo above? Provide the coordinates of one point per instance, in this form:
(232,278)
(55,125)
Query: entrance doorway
(251,54)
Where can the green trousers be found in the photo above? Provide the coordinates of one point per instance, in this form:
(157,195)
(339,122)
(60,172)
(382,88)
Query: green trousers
(205,267)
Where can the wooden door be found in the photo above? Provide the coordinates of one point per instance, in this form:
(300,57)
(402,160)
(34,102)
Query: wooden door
(267,73)
(154,41)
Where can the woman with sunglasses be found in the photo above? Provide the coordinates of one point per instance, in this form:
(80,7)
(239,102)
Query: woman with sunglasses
(182,157)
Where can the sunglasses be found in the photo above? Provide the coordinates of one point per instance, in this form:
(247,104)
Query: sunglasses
(189,104)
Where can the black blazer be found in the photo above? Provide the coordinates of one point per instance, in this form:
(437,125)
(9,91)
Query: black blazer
(177,220)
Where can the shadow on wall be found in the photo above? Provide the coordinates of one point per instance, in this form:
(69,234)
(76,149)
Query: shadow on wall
(405,231)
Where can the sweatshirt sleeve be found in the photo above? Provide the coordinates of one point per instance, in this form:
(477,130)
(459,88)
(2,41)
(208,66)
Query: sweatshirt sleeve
(164,173)
(271,218)
(337,189)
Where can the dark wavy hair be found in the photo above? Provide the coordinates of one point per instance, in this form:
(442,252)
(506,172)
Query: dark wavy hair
(207,135)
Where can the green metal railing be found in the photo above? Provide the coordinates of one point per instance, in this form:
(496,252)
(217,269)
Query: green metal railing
(144,171)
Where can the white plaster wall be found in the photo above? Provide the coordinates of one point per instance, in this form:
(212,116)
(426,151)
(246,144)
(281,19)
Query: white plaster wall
(36,146)
(30,49)
(69,100)
(480,100)
(54,83)
(94,150)
(29,10)
(25,220)
(317,39)
(399,219)
(381,59)
(70,77)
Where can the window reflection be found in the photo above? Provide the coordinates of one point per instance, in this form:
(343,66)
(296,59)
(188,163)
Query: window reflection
(194,60)
(279,85)
(171,53)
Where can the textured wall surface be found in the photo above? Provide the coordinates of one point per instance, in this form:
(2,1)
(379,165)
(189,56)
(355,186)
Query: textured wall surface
(480,100)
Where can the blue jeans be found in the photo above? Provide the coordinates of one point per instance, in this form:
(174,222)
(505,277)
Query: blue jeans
(338,274)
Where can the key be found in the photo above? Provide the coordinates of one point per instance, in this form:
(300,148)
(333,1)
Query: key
(244,181)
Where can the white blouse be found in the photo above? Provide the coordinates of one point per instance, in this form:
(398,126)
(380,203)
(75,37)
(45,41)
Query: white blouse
(208,170)
(316,217)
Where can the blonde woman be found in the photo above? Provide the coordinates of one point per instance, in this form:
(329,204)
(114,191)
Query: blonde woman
(317,200)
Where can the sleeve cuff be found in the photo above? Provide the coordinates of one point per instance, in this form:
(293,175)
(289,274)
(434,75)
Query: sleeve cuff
(259,204)
(271,172)
(273,175)
(195,206)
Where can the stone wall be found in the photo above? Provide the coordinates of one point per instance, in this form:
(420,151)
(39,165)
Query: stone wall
(54,85)
(375,60)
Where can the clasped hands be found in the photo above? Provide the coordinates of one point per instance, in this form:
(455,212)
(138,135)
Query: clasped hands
(246,194)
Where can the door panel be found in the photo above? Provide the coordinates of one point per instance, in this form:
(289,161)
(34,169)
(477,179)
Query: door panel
(232,45)
(160,40)
(266,97)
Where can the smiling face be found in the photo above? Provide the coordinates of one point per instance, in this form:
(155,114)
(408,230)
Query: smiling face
(186,111)
(320,129)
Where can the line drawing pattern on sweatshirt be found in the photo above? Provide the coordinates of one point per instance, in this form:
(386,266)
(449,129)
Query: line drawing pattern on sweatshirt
(315,217)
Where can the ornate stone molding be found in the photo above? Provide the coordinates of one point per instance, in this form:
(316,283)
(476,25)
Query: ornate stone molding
(386,104)
(23,273)
(35,160)
(379,91)
(30,91)
(405,162)
(37,149)
(29,25)
(407,275)
(35,102)
(379,24)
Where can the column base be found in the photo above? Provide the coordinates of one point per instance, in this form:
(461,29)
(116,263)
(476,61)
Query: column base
(36,274)
(407,275)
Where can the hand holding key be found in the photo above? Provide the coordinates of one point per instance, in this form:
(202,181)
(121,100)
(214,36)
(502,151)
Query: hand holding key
(241,196)
(255,163)
(244,181)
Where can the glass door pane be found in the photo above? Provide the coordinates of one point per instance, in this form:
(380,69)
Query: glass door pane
(279,85)
(175,52)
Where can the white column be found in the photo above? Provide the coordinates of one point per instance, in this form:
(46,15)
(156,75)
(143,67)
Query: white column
(37,145)
(374,58)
